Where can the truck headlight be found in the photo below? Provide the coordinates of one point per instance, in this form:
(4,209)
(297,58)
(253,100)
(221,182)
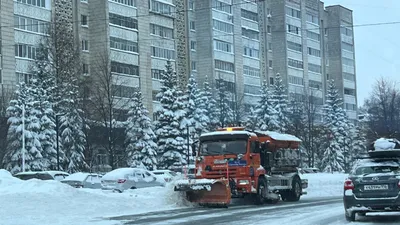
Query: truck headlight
(244,182)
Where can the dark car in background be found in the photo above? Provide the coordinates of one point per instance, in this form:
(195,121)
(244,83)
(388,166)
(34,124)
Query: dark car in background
(42,175)
(373,185)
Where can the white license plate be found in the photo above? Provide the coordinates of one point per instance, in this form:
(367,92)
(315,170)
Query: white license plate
(376,187)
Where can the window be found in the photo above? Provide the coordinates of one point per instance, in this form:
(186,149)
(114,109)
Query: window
(312,19)
(349,76)
(39,3)
(84,20)
(294,46)
(24,77)
(347,61)
(162,8)
(192,25)
(250,71)
(251,52)
(122,44)
(347,47)
(346,31)
(193,64)
(314,68)
(85,45)
(270,63)
(126,69)
(293,29)
(33,25)
(154,95)
(314,36)
(314,52)
(296,80)
(249,15)
(221,6)
(348,91)
(85,68)
(252,34)
(222,65)
(295,63)
(268,29)
(252,89)
(222,26)
(162,52)
(123,91)
(123,21)
(157,74)
(191,4)
(126,2)
(161,31)
(315,84)
(271,81)
(293,12)
(270,46)
(193,45)
(25,51)
(229,86)
(349,106)
(223,46)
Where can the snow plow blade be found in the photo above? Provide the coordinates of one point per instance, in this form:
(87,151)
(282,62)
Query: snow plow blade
(206,192)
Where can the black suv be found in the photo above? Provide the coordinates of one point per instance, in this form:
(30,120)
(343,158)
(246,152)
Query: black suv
(373,184)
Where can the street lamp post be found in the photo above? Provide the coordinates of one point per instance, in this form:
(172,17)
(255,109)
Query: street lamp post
(23,137)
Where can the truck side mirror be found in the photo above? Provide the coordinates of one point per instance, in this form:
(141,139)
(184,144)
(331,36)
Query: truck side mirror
(194,149)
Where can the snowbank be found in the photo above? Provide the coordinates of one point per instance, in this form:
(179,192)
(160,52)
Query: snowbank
(51,202)
(324,184)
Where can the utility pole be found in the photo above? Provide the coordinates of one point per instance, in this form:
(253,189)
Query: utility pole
(188,146)
(23,137)
(57,148)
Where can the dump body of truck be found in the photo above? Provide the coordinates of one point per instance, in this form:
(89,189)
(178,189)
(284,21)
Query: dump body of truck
(233,162)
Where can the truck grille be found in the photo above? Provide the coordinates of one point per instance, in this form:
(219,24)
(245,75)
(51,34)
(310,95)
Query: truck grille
(220,173)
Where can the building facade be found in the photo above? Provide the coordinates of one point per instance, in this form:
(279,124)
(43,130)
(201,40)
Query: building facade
(239,42)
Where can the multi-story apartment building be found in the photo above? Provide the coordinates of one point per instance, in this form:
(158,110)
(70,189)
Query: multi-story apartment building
(340,56)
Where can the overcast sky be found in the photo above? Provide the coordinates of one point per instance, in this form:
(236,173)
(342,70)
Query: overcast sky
(376,46)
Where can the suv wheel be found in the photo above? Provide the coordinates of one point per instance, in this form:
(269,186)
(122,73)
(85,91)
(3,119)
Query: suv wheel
(350,215)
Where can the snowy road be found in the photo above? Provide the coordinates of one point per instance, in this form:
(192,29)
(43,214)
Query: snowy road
(324,211)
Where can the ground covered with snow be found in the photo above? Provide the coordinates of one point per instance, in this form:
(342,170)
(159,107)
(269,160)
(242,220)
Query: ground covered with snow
(37,202)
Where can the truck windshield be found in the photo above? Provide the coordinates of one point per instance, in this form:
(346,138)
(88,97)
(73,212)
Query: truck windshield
(223,147)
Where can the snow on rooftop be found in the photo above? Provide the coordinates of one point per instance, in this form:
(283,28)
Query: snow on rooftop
(279,137)
(227,132)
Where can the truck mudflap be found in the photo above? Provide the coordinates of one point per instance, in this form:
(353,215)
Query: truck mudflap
(206,192)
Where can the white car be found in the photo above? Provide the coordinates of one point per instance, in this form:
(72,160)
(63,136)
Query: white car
(83,180)
(167,175)
(130,178)
(42,175)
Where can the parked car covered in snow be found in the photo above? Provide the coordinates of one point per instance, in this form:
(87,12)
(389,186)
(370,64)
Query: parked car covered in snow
(42,175)
(83,180)
(167,175)
(129,178)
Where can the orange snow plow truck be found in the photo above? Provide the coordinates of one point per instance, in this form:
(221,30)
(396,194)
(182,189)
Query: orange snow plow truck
(234,163)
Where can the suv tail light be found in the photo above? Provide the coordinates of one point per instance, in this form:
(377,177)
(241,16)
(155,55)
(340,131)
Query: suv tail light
(398,184)
(348,184)
(121,181)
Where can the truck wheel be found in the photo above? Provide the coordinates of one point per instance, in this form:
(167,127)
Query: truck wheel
(261,191)
(294,194)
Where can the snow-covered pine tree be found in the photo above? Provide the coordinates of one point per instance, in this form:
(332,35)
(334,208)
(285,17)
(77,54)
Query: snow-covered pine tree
(359,143)
(224,109)
(280,103)
(141,148)
(252,119)
(266,113)
(210,105)
(171,144)
(201,113)
(333,159)
(34,160)
(73,138)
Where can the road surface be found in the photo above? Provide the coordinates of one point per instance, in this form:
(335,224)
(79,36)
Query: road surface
(313,211)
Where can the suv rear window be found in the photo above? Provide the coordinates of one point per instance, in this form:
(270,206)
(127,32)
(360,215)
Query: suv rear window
(376,169)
